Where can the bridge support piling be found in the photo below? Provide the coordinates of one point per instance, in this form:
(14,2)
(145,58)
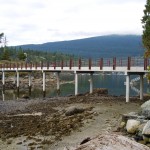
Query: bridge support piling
(76,83)
(14,79)
(3,79)
(127,87)
(44,78)
(91,83)
(58,81)
(17,80)
(30,82)
(141,87)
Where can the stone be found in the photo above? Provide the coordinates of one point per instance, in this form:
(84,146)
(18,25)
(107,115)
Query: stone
(141,126)
(145,109)
(146,139)
(132,126)
(100,91)
(85,140)
(122,124)
(25,96)
(146,129)
(126,117)
(73,110)
(111,142)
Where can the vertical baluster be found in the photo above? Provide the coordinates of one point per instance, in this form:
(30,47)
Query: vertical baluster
(70,66)
(62,64)
(90,63)
(101,63)
(129,63)
(79,64)
(114,63)
(145,63)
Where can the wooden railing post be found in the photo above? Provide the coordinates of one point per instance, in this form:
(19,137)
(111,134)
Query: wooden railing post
(21,66)
(145,63)
(70,64)
(79,64)
(114,63)
(121,62)
(129,63)
(62,64)
(10,66)
(26,65)
(101,64)
(54,64)
(35,65)
(47,64)
(7,65)
(17,65)
(31,65)
(41,64)
(13,66)
(90,63)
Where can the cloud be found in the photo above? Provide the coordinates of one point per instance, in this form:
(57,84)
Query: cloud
(37,21)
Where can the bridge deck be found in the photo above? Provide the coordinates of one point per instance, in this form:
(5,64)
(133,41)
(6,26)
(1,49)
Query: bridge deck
(128,67)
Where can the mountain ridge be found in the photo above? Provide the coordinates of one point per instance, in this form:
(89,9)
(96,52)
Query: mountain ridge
(99,46)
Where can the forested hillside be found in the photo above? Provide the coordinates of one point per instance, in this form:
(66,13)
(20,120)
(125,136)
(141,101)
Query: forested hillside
(19,54)
(102,46)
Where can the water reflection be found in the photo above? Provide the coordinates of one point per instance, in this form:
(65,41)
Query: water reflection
(114,84)
(3,95)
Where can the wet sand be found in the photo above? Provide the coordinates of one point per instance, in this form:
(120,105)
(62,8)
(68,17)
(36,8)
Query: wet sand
(42,123)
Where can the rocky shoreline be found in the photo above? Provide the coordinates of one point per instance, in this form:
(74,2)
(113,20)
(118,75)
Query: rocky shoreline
(46,123)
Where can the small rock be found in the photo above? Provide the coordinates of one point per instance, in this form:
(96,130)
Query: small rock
(25,96)
(126,117)
(146,139)
(122,125)
(132,126)
(85,140)
(73,110)
(19,143)
(142,142)
(9,141)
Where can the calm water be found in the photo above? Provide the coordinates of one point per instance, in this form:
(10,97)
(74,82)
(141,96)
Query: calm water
(114,83)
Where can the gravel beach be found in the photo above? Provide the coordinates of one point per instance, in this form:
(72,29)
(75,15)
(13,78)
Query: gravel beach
(45,124)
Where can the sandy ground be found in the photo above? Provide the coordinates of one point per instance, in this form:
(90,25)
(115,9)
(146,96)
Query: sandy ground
(42,123)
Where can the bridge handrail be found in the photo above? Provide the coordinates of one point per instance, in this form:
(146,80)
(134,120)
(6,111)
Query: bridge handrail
(102,62)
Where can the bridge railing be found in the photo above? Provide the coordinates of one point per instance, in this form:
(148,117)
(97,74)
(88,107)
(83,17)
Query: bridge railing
(102,62)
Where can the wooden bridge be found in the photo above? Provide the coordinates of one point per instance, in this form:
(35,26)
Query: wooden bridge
(129,66)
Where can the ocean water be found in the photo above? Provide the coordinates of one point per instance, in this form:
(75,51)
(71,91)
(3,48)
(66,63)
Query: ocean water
(115,83)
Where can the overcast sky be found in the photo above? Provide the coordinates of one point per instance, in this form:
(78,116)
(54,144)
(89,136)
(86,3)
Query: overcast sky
(40,21)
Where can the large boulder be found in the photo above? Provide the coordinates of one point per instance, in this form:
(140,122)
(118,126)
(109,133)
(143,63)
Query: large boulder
(146,129)
(145,109)
(132,126)
(110,142)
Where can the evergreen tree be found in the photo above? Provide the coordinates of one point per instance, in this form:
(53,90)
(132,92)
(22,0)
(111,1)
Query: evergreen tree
(1,36)
(21,55)
(5,54)
(146,28)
